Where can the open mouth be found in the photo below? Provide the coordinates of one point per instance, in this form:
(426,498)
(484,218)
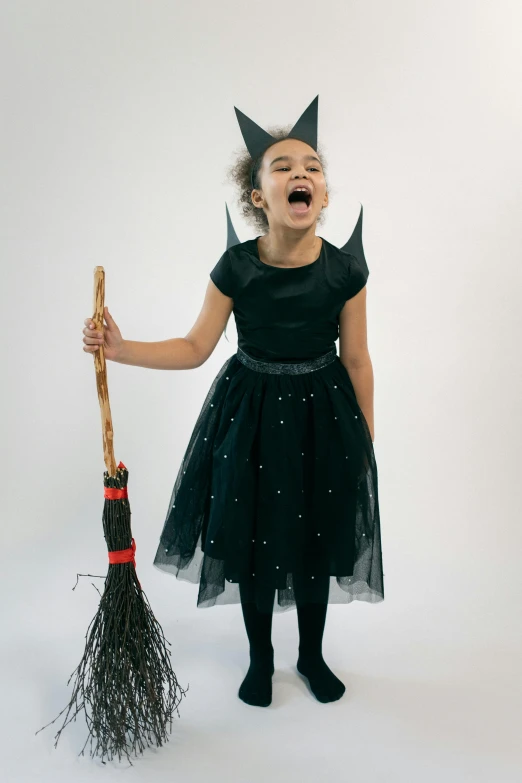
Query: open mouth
(300,202)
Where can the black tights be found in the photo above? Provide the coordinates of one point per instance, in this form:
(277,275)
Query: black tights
(256,688)
(311,615)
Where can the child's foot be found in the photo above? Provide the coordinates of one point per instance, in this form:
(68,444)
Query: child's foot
(256,688)
(324,684)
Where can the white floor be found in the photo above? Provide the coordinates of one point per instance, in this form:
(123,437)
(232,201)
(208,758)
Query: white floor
(430,696)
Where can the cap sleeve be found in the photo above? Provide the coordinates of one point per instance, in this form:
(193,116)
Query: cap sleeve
(357,277)
(222,275)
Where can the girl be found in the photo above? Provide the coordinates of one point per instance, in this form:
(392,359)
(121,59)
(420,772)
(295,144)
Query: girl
(275,505)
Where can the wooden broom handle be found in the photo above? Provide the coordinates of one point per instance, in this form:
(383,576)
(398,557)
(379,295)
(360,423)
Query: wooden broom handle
(101,373)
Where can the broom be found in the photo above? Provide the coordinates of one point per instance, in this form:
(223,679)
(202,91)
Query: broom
(125,666)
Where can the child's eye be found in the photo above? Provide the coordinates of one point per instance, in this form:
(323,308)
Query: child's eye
(287,167)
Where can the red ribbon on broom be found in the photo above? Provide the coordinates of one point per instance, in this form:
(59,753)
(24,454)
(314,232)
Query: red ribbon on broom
(125,669)
(121,555)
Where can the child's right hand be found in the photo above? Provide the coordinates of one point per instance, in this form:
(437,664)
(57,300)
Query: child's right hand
(111,339)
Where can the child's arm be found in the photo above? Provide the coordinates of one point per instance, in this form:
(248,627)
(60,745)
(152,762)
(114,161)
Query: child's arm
(174,354)
(354,354)
(191,351)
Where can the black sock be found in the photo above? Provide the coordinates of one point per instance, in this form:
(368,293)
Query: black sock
(256,688)
(324,684)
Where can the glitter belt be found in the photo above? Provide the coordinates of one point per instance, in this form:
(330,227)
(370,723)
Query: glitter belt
(293,368)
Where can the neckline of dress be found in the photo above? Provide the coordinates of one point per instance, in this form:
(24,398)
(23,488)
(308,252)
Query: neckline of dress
(286,268)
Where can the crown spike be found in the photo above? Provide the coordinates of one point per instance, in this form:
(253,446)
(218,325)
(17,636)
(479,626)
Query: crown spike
(354,246)
(305,128)
(255,138)
(232,237)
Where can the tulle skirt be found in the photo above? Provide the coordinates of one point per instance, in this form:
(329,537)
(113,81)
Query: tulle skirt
(277,488)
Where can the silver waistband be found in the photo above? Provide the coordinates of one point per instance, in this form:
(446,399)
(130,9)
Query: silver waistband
(290,368)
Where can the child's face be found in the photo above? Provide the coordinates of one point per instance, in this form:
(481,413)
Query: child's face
(278,177)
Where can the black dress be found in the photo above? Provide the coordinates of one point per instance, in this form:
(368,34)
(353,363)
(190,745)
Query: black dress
(278,484)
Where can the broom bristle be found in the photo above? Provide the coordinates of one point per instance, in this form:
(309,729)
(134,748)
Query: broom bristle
(124,681)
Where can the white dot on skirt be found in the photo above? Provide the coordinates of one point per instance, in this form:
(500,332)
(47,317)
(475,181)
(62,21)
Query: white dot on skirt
(312,394)
(313,577)
(211,542)
(277,566)
(299,516)
(212,496)
(264,542)
(204,438)
(211,404)
(225,456)
(318,534)
(278,491)
(236,500)
(356,417)
(280,398)
(232,419)
(281,422)
(335,387)
(227,377)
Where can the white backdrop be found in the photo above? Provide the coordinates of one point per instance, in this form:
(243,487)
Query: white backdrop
(118,126)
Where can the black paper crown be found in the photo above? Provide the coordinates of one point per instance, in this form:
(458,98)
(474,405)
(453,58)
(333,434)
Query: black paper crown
(258,140)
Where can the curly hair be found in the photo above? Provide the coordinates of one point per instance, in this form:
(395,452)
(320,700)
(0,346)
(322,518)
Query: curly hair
(244,170)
